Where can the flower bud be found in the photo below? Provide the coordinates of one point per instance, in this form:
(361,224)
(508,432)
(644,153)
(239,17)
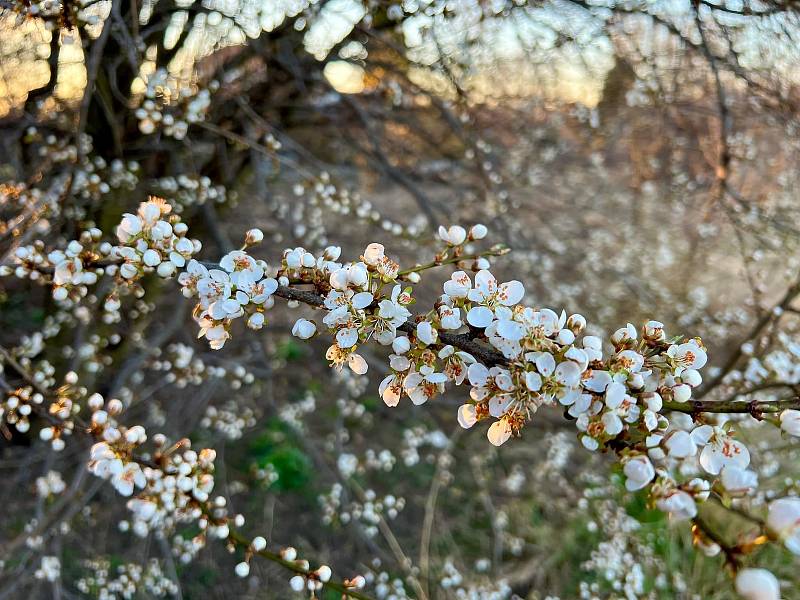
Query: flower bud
(681,393)
(289,554)
(373,254)
(576,323)
(478,232)
(259,543)
(304,329)
(790,421)
(253,236)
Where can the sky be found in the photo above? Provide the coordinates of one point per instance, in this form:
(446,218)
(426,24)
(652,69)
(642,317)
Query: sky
(558,51)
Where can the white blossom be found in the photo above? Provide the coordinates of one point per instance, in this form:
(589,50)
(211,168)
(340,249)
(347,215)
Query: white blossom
(678,504)
(719,449)
(499,432)
(454,236)
(304,329)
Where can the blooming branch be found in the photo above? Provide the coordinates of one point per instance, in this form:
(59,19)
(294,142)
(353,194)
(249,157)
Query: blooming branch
(515,359)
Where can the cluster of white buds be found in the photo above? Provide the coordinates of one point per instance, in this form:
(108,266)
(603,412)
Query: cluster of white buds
(271,142)
(306,579)
(63,404)
(182,366)
(94,177)
(50,569)
(369,512)
(313,581)
(185,549)
(455,235)
(185,191)
(178,490)
(126,580)
(171,106)
(72,269)
(325,197)
(148,241)
(114,457)
(17,405)
(258,544)
(51,484)
(152,241)
(230,420)
(59,149)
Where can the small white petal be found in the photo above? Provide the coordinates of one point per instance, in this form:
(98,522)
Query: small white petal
(499,432)
(480,316)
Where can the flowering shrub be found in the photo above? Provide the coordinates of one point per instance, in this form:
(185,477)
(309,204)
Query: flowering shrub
(166,401)
(515,359)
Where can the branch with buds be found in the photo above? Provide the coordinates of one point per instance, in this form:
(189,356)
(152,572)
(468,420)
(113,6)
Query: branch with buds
(127,469)
(515,359)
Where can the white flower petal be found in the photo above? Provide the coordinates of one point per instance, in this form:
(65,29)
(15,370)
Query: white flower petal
(480,316)
(511,293)
(499,432)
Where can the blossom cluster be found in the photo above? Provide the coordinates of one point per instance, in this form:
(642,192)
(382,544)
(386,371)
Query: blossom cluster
(182,367)
(170,106)
(152,241)
(538,357)
(369,512)
(185,192)
(239,288)
(148,241)
(631,395)
(324,196)
(521,358)
(125,581)
(92,176)
(17,406)
(173,486)
(306,580)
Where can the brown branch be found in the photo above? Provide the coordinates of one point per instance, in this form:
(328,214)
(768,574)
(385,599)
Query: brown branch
(462,341)
(756,408)
(490,357)
(725,120)
(347,592)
